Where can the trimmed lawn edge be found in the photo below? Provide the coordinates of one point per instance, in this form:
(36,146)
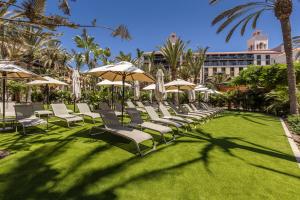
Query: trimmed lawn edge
(292,143)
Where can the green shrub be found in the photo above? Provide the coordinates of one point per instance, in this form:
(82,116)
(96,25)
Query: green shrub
(294,123)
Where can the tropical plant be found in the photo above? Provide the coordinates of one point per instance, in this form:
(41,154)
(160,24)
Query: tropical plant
(195,62)
(172,53)
(15,88)
(216,80)
(253,10)
(124,57)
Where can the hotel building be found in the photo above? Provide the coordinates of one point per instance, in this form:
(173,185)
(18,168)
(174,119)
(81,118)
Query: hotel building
(231,63)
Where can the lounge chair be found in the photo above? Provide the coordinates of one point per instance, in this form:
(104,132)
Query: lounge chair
(131,105)
(155,118)
(181,113)
(138,122)
(212,112)
(167,115)
(199,113)
(112,125)
(60,111)
(39,110)
(26,117)
(85,110)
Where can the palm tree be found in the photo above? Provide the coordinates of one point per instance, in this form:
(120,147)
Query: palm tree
(172,53)
(215,81)
(246,12)
(195,62)
(139,55)
(32,13)
(124,57)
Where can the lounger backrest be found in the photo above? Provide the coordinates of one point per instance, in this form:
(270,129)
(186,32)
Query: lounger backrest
(83,108)
(104,106)
(140,104)
(193,107)
(176,110)
(38,106)
(188,107)
(23,111)
(110,119)
(134,115)
(204,105)
(164,110)
(59,109)
(151,112)
(130,104)
(118,107)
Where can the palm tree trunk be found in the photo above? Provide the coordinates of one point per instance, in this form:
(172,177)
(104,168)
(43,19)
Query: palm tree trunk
(287,40)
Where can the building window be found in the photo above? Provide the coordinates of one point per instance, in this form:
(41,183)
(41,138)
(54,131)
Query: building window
(241,69)
(258,57)
(223,70)
(231,71)
(267,62)
(214,70)
(267,57)
(258,62)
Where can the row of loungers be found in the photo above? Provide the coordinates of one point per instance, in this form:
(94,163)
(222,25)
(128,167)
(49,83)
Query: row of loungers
(185,116)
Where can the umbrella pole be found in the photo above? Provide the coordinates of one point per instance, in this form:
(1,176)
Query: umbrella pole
(3,97)
(112,96)
(123,98)
(48,92)
(178,96)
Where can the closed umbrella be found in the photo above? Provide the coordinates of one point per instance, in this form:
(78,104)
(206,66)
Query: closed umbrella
(76,89)
(192,95)
(48,81)
(136,90)
(122,71)
(159,86)
(112,84)
(9,70)
(149,87)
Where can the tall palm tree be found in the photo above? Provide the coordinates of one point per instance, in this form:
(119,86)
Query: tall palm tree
(172,53)
(195,62)
(253,10)
(139,55)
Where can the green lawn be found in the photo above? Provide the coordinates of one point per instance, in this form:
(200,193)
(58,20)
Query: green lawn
(235,156)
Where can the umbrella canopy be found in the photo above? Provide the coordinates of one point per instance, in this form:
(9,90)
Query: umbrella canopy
(174,91)
(180,84)
(47,81)
(10,70)
(159,86)
(199,86)
(201,89)
(110,83)
(122,70)
(149,87)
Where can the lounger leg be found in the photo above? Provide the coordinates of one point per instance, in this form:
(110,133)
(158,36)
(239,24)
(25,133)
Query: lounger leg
(24,132)
(138,149)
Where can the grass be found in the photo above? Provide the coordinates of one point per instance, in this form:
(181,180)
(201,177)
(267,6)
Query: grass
(235,156)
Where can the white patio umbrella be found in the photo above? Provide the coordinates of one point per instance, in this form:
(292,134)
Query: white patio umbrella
(9,70)
(122,71)
(48,81)
(180,84)
(112,84)
(201,89)
(149,87)
(159,86)
(136,90)
(174,91)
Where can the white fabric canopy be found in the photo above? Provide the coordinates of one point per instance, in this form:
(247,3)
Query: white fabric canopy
(115,83)
(180,84)
(118,71)
(201,89)
(11,70)
(48,81)
(150,87)
(174,91)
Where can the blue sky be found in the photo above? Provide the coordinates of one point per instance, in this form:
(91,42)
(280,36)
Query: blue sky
(151,21)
